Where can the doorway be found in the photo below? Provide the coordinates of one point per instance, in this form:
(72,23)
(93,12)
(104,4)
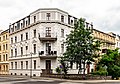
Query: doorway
(48,64)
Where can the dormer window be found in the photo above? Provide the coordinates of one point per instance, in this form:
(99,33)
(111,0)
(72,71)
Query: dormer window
(21,25)
(34,19)
(26,23)
(16,27)
(48,16)
(62,18)
(71,22)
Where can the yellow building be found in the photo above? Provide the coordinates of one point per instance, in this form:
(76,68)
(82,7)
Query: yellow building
(108,41)
(4,52)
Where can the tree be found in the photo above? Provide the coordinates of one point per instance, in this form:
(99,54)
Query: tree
(81,47)
(64,66)
(112,60)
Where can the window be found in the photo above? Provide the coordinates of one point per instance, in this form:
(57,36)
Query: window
(0,48)
(48,31)
(11,40)
(3,38)
(0,67)
(6,46)
(21,37)
(34,31)
(6,57)
(34,19)
(71,22)
(26,47)
(34,64)
(15,65)
(26,35)
(11,52)
(62,32)
(26,23)
(15,52)
(23,22)
(3,67)
(62,48)
(21,64)
(18,25)
(26,64)
(48,48)
(34,47)
(0,58)
(6,67)
(62,18)
(3,57)
(3,47)
(15,39)
(48,16)
(21,50)
(28,20)
(21,25)
(11,65)
(6,36)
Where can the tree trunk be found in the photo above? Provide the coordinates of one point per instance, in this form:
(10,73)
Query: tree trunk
(84,69)
(79,67)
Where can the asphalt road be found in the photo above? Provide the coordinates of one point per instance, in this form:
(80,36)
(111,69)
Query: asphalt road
(15,80)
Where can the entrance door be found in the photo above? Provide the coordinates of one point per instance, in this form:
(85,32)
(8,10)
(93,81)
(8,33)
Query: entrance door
(48,64)
(88,68)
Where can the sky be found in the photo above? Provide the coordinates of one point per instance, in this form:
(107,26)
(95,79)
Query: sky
(104,14)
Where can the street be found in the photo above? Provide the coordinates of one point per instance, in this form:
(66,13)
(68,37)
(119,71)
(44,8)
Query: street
(24,80)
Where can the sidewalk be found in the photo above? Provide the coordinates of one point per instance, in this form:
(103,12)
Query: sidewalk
(77,81)
(57,79)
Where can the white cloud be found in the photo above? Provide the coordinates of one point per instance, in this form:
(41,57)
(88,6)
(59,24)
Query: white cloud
(103,13)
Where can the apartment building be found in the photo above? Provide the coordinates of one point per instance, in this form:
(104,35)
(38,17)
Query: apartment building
(4,52)
(108,41)
(37,42)
(117,39)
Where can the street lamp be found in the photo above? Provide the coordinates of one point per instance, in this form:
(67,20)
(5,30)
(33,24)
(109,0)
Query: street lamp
(31,66)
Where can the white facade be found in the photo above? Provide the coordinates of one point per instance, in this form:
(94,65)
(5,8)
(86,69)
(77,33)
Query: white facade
(39,42)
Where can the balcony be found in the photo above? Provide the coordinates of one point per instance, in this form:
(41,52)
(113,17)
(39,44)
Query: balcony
(47,37)
(51,54)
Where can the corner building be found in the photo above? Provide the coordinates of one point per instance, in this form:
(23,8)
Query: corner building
(4,52)
(37,42)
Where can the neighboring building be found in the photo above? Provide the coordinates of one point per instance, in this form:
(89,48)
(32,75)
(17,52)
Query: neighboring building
(117,39)
(108,41)
(4,52)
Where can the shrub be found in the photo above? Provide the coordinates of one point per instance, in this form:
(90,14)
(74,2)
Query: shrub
(58,70)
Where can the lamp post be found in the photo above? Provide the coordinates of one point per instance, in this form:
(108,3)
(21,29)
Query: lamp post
(31,66)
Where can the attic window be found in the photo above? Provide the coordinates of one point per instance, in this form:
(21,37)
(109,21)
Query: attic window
(62,18)
(48,16)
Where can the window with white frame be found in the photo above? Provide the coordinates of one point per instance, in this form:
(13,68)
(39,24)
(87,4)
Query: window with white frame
(62,48)
(15,65)
(11,65)
(48,16)
(62,32)
(62,18)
